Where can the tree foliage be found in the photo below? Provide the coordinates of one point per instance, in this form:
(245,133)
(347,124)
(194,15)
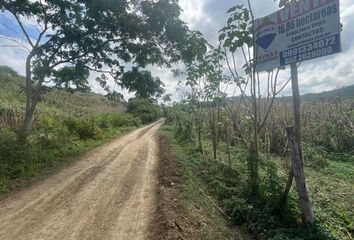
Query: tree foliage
(72,78)
(101,36)
(144,109)
(142,83)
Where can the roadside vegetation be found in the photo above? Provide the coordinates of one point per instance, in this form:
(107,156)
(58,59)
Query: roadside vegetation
(240,145)
(65,125)
(188,208)
(50,114)
(329,166)
(233,147)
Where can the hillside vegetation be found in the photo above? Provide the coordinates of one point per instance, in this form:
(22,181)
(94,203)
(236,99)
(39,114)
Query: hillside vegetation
(55,102)
(65,125)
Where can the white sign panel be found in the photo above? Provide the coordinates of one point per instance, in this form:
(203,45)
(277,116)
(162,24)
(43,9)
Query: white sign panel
(300,31)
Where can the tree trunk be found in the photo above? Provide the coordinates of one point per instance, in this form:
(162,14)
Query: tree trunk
(228,145)
(30,109)
(254,154)
(200,139)
(284,199)
(297,125)
(298,171)
(214,147)
(253,168)
(31,101)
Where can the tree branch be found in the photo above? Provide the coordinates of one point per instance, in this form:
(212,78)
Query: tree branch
(22,28)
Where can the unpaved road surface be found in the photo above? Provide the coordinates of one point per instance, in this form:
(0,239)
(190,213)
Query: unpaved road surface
(108,194)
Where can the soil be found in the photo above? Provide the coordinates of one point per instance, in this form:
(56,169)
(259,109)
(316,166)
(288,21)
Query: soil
(108,194)
(127,189)
(170,222)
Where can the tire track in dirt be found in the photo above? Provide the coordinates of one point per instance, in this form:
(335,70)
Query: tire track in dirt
(108,194)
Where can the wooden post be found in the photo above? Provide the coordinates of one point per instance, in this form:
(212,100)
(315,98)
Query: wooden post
(297,125)
(297,161)
(298,172)
(296,108)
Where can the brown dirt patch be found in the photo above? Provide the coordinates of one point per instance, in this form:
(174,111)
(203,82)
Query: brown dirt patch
(170,222)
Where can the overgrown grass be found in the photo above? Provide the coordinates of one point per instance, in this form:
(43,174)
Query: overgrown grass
(330,182)
(54,143)
(55,103)
(64,126)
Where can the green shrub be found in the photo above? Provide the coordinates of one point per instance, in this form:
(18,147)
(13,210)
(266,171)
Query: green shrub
(83,128)
(117,120)
(143,109)
(8,144)
(104,121)
(120,120)
(315,157)
(49,122)
(52,139)
(15,159)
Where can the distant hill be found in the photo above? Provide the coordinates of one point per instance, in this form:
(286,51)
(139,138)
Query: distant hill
(55,101)
(342,93)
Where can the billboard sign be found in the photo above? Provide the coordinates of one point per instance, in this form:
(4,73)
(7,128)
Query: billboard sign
(301,30)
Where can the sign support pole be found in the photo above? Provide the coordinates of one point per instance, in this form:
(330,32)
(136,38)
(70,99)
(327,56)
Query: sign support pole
(296,107)
(297,162)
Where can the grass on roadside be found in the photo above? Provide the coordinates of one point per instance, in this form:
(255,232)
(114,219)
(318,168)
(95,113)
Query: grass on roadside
(330,187)
(196,202)
(54,144)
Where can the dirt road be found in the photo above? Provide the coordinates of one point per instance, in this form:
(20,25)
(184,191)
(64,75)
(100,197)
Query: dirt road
(108,194)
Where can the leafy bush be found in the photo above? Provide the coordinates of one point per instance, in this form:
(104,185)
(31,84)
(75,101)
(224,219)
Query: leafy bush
(117,120)
(143,109)
(264,214)
(83,128)
(7,143)
(15,159)
(52,139)
(315,157)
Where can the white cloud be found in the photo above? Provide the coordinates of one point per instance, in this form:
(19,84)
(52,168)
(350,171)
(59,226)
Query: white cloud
(192,11)
(208,16)
(316,75)
(13,57)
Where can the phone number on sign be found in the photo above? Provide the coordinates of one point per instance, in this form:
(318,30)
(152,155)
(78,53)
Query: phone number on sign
(308,51)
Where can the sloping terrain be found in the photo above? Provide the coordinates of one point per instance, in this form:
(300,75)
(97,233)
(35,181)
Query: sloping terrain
(54,101)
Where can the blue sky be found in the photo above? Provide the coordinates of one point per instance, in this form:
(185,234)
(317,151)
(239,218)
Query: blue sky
(209,16)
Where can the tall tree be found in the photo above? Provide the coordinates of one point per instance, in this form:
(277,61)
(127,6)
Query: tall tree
(72,78)
(100,36)
(236,39)
(143,84)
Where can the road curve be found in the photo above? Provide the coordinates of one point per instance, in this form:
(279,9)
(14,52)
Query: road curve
(108,194)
